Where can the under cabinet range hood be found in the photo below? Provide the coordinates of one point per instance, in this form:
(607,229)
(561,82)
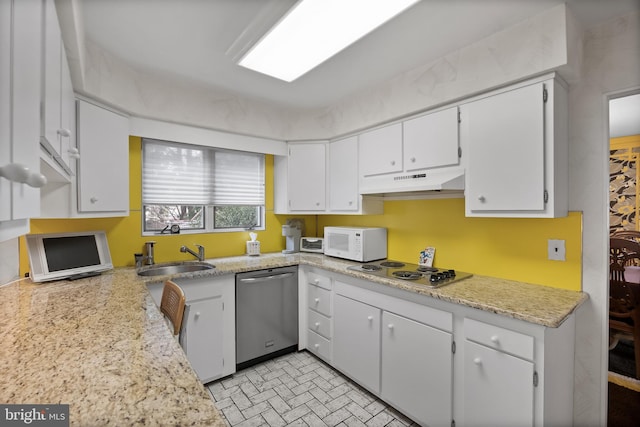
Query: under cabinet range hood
(418,155)
(432,182)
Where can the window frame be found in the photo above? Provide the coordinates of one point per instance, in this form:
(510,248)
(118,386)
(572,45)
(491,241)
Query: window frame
(209,209)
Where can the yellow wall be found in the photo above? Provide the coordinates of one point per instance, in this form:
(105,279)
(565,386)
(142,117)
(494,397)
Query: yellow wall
(508,248)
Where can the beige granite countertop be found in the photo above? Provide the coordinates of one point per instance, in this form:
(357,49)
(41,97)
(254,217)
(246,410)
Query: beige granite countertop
(532,303)
(101,345)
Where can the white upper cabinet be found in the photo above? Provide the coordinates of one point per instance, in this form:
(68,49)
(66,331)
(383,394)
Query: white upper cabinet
(343,175)
(321,178)
(56,127)
(518,155)
(103,167)
(307,177)
(431,140)
(20,59)
(381,151)
(416,155)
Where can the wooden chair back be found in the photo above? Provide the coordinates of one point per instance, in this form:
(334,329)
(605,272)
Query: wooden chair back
(172,304)
(629,235)
(624,296)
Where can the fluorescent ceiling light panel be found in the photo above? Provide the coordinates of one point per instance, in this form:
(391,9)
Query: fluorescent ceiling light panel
(315,30)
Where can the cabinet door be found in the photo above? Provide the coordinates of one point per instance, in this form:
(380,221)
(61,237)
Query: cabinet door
(343,175)
(67,117)
(5,106)
(307,187)
(52,70)
(431,140)
(381,151)
(505,140)
(498,388)
(202,337)
(356,341)
(417,373)
(21,110)
(103,175)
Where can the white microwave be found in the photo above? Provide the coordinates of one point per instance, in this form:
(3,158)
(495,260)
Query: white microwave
(356,243)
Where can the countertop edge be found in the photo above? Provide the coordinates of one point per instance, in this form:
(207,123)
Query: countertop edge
(472,292)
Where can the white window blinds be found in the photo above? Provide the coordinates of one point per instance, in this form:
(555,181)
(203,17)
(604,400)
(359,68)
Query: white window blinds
(238,178)
(192,175)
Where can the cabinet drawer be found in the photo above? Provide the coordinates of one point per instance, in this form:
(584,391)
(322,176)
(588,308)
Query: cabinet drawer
(319,280)
(319,346)
(319,324)
(319,299)
(499,338)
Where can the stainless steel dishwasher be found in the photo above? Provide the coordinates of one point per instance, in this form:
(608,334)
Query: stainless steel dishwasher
(266,314)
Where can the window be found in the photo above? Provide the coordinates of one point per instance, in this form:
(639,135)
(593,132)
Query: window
(200,188)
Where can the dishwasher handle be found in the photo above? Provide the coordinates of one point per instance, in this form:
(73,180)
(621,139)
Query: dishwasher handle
(265,278)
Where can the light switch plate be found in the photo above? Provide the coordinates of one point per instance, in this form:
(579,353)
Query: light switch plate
(556,250)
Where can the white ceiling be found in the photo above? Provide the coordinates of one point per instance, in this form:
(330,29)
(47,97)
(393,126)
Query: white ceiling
(200,40)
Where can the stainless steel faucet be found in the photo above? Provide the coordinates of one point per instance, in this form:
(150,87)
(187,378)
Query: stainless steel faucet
(199,255)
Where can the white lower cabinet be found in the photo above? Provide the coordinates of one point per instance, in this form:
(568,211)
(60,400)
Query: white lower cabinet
(356,341)
(317,312)
(405,359)
(498,388)
(441,363)
(417,369)
(208,327)
(201,337)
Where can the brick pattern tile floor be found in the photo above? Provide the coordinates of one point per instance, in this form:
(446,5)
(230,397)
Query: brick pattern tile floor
(299,390)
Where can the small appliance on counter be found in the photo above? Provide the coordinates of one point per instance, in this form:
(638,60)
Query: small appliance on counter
(71,256)
(292,235)
(312,244)
(361,244)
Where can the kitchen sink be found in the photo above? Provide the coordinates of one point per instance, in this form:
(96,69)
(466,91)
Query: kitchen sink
(174,268)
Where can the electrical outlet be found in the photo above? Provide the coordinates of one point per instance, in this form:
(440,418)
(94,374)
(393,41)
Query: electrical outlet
(556,250)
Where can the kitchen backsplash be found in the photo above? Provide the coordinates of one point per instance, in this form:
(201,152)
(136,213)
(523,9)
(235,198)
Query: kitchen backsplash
(510,248)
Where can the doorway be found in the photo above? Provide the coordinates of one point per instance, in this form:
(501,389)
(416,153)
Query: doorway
(624,215)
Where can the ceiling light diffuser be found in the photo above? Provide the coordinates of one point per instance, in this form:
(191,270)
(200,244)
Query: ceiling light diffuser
(315,30)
